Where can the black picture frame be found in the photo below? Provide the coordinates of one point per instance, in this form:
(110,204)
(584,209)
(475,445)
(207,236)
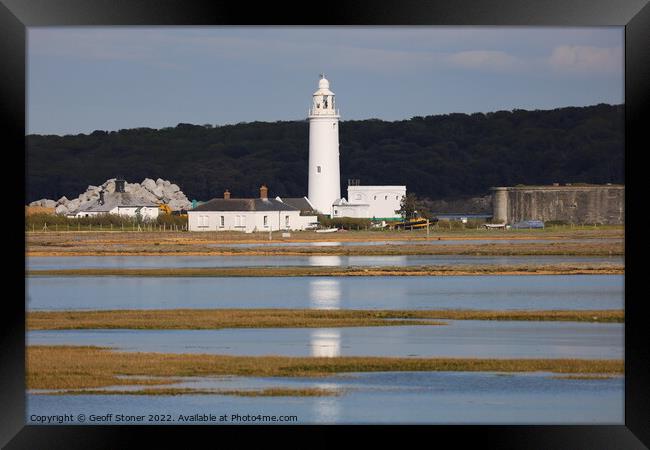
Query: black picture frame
(634,15)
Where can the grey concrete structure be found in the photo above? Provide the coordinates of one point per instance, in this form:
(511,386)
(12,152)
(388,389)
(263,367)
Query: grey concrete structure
(577,204)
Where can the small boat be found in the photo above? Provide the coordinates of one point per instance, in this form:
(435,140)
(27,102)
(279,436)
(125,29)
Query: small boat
(327,230)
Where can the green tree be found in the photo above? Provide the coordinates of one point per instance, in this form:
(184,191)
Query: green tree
(408,206)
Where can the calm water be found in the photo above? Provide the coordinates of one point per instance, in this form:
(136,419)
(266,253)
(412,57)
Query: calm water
(100,262)
(447,292)
(384,397)
(480,339)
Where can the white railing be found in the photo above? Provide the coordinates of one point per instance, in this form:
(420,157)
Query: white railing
(322,112)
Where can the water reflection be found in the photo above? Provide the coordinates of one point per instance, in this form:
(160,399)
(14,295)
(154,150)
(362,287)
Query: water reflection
(325,294)
(327,409)
(325,261)
(325,342)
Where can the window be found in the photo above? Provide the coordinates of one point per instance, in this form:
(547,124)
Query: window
(318,169)
(266,221)
(396,197)
(286,221)
(385,197)
(375,197)
(203,221)
(222,222)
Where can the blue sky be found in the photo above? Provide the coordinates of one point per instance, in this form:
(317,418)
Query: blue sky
(82,79)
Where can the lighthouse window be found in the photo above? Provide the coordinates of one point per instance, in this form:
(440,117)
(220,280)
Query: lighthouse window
(318,169)
(385,197)
(375,197)
(325,101)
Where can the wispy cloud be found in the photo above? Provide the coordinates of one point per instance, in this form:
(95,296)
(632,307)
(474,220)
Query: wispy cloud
(579,58)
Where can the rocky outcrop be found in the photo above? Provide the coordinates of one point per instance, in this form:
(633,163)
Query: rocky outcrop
(159,191)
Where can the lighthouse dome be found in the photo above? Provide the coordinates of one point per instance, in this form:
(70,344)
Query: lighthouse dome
(323,83)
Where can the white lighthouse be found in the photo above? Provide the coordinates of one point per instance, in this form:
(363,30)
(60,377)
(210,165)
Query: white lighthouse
(324,172)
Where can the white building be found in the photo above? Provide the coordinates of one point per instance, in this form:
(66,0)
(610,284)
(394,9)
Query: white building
(120,203)
(247,215)
(374,202)
(324,171)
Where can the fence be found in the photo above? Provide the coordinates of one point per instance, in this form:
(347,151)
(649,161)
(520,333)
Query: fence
(105,222)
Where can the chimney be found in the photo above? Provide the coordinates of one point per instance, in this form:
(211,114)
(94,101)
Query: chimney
(101,197)
(119,185)
(264,192)
(226,194)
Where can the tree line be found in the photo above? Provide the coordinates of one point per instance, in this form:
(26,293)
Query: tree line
(437,157)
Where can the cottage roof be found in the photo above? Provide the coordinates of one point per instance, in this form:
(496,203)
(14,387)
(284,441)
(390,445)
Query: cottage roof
(244,204)
(301,203)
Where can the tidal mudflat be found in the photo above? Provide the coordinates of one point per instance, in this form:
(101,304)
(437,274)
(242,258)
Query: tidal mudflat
(214,261)
(465,371)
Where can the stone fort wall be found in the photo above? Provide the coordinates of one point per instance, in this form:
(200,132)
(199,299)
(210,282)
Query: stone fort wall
(584,204)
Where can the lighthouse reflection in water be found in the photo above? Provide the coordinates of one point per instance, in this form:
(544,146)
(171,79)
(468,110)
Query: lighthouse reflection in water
(325,294)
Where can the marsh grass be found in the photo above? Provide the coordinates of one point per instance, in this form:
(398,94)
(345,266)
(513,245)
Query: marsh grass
(583,377)
(302,271)
(200,319)
(268,392)
(72,368)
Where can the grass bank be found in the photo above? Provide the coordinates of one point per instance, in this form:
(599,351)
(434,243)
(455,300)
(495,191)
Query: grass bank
(268,392)
(601,241)
(73,368)
(305,271)
(201,319)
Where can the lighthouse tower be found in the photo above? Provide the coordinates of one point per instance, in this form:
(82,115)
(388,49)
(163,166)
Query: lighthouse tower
(324,173)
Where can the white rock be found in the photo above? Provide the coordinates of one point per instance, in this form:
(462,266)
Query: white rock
(160,181)
(61,209)
(73,206)
(148,184)
(166,183)
(62,201)
(174,188)
(158,192)
(48,203)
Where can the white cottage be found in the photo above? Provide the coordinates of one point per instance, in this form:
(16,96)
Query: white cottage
(247,215)
(120,203)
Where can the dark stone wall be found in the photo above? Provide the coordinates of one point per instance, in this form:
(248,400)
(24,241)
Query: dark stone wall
(571,204)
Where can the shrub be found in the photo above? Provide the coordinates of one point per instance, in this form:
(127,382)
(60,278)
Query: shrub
(346,223)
